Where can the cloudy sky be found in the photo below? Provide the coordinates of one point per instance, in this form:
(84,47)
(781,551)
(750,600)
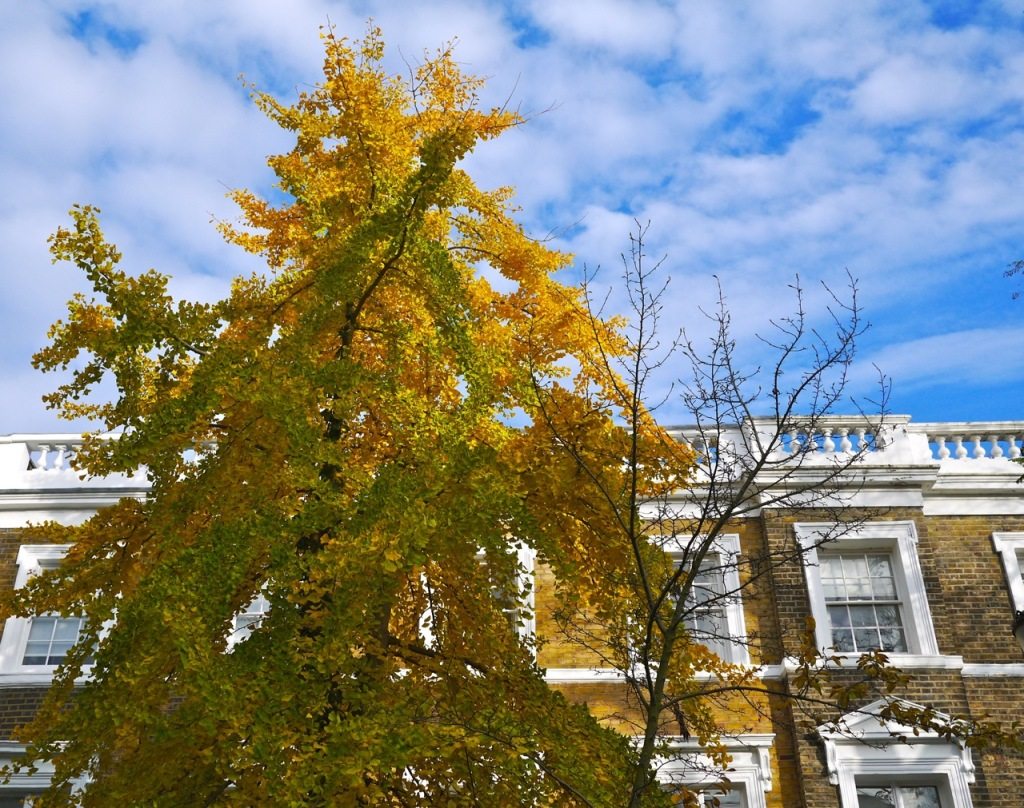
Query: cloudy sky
(761,140)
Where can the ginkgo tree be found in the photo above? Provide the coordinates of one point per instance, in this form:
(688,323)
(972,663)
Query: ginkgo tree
(354,437)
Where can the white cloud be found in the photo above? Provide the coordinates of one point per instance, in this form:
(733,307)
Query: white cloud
(761,140)
(639,29)
(956,359)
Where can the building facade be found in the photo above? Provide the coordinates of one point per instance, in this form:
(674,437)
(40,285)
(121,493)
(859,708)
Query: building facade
(930,571)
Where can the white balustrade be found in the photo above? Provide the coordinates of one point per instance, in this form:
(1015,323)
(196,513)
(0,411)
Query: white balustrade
(891,440)
(45,452)
(984,440)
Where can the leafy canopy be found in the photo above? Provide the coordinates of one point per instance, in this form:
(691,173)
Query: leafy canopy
(363,435)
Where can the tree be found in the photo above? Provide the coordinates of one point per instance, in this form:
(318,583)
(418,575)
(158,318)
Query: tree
(354,436)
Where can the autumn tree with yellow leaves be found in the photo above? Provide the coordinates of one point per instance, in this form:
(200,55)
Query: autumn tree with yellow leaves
(353,436)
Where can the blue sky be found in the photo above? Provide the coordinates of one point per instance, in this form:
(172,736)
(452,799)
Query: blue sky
(761,140)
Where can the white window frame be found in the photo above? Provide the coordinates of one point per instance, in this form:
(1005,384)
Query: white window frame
(31,561)
(750,766)
(897,538)
(865,752)
(726,548)
(526,584)
(1007,545)
(240,634)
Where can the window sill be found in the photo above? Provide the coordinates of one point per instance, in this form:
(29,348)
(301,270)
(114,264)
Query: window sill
(20,679)
(904,661)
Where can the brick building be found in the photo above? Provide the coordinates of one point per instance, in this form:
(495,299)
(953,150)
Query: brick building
(930,570)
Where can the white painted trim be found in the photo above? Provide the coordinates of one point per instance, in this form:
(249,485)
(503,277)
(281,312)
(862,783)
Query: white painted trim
(986,669)
(897,536)
(940,662)
(9,680)
(750,766)
(866,748)
(583,675)
(526,597)
(1007,545)
(727,548)
(23,781)
(970,505)
(16,629)
(527,584)
(591,675)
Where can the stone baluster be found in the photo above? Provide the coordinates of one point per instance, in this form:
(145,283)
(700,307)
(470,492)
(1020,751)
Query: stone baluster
(794,442)
(862,440)
(997,450)
(1014,448)
(961,450)
(941,449)
(828,446)
(844,440)
(44,456)
(979,449)
(58,461)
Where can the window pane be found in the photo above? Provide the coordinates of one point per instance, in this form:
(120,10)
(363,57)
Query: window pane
(875,797)
(920,797)
(862,616)
(707,621)
(883,588)
(731,799)
(250,618)
(893,639)
(830,566)
(41,629)
(858,589)
(855,566)
(843,640)
(880,566)
(898,797)
(66,630)
(839,616)
(866,639)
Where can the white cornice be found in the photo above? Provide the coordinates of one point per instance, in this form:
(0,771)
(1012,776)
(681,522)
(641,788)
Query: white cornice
(993,669)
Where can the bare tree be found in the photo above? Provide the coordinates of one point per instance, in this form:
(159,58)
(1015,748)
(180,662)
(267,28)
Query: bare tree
(767,438)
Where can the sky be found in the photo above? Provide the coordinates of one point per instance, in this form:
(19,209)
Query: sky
(760,141)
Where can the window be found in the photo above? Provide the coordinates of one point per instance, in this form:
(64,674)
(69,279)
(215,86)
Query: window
(708,622)
(37,645)
(50,638)
(248,619)
(727,797)
(893,796)
(1010,547)
(866,589)
(749,773)
(733,798)
(515,597)
(20,788)
(864,609)
(873,770)
(716,616)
